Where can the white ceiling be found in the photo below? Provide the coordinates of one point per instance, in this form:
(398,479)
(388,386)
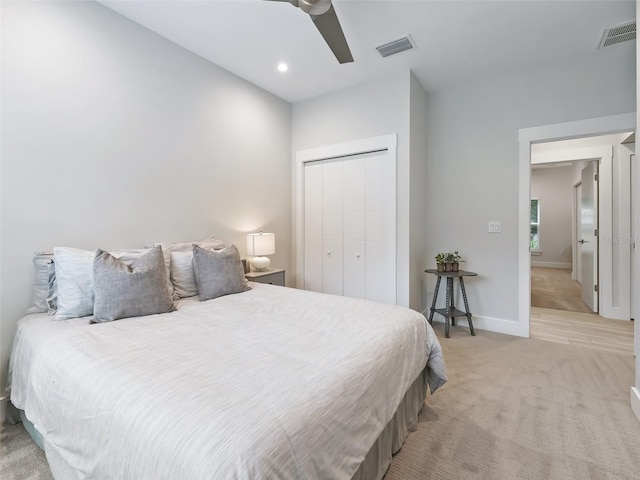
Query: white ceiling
(456,41)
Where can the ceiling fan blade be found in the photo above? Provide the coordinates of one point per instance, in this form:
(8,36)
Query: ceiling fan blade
(329,27)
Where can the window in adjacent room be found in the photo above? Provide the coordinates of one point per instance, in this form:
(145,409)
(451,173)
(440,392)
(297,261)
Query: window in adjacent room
(535,225)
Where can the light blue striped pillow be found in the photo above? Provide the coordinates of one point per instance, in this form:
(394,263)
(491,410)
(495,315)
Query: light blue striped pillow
(74,282)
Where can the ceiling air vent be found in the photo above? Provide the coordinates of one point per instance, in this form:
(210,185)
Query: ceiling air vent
(618,34)
(397,46)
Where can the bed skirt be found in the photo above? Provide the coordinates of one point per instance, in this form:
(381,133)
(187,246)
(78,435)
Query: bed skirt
(405,420)
(375,464)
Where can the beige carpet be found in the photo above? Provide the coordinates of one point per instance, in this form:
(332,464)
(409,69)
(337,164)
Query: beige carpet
(20,458)
(513,409)
(553,288)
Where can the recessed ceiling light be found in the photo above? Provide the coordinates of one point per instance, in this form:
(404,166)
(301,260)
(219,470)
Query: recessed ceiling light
(282,67)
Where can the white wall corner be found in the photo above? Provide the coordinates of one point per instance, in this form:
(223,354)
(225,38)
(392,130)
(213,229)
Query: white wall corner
(635,401)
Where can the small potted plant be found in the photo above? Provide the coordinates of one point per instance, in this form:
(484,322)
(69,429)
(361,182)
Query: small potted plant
(440,261)
(455,260)
(448,262)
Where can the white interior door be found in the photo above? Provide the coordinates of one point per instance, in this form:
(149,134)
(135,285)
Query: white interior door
(578,233)
(635,261)
(588,242)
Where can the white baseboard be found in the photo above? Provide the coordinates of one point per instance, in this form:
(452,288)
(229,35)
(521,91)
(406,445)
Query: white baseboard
(635,401)
(497,325)
(566,266)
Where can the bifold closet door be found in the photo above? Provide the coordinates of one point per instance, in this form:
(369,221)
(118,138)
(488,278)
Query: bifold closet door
(350,226)
(354,227)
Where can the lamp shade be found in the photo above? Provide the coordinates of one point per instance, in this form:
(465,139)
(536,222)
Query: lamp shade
(260,244)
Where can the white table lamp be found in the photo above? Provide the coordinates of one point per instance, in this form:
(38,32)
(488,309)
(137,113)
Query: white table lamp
(261,244)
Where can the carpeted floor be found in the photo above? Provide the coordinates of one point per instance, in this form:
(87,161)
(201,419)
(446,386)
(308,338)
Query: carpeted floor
(20,457)
(514,408)
(553,288)
(518,408)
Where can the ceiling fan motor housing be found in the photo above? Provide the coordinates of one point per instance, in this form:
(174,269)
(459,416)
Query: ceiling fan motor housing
(314,7)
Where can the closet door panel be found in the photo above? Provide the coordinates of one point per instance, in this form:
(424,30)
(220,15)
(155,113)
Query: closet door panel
(380,219)
(313,240)
(381,286)
(354,227)
(332,231)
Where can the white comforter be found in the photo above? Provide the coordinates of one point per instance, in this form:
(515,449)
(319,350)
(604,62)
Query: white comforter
(271,383)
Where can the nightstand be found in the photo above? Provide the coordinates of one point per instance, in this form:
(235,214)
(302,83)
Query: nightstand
(274,276)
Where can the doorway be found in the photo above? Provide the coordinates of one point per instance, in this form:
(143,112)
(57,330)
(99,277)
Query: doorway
(549,133)
(562,231)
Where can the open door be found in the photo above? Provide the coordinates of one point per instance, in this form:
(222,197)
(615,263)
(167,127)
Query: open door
(588,242)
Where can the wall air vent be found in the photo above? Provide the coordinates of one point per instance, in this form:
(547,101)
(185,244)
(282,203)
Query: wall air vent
(397,46)
(618,34)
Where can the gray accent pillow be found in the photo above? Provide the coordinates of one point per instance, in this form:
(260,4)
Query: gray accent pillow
(133,290)
(218,272)
(74,278)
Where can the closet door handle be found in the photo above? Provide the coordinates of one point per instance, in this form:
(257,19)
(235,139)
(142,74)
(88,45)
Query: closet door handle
(328,252)
(357,255)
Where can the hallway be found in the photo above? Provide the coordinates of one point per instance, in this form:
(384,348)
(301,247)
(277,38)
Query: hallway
(554,288)
(558,314)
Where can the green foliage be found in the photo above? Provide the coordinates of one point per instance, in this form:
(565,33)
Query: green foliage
(449,257)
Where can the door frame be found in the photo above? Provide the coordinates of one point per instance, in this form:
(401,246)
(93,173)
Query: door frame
(547,133)
(368,145)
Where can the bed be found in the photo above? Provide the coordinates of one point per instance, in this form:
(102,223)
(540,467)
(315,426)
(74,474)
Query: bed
(270,383)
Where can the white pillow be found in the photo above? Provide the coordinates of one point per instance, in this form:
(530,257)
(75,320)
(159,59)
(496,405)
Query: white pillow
(74,278)
(208,243)
(183,277)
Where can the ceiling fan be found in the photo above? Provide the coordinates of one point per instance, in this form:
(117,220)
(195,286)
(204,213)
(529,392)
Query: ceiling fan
(324,16)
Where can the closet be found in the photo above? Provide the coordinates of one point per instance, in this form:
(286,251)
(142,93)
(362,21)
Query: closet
(349,217)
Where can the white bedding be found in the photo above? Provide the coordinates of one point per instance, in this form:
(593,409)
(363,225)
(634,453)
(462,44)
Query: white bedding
(270,383)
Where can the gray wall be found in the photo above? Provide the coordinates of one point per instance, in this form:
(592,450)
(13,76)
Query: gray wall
(114,137)
(553,187)
(472,147)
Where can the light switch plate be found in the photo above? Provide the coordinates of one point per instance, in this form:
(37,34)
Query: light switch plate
(494,227)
